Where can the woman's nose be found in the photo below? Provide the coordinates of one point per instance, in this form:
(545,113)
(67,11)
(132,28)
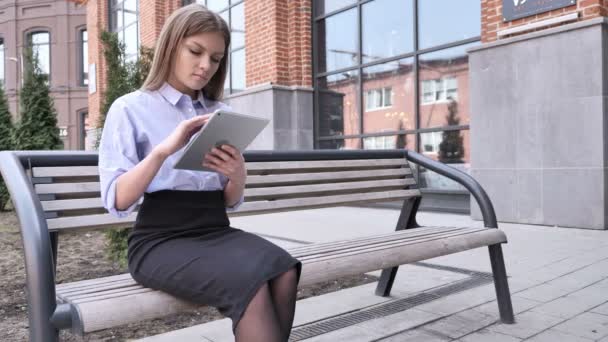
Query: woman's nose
(204,63)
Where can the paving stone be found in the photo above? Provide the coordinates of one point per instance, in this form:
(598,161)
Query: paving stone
(485,335)
(602,309)
(461,301)
(552,335)
(527,324)
(519,304)
(460,324)
(417,335)
(590,325)
(574,304)
(398,322)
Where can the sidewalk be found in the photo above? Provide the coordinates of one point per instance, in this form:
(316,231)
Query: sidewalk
(558,279)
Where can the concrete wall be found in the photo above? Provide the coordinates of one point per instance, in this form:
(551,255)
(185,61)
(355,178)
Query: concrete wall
(290,110)
(538,128)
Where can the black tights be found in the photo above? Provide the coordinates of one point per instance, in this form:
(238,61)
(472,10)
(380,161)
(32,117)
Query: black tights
(269,315)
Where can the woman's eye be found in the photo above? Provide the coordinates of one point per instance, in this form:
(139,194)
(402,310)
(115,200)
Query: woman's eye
(215,60)
(194,52)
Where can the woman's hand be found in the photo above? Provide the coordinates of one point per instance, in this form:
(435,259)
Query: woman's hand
(229,161)
(181,135)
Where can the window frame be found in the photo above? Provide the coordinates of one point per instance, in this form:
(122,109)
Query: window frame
(29,44)
(83,65)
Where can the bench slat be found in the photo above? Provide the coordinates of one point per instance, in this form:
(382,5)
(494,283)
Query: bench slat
(261,193)
(67,188)
(322,201)
(91,221)
(107,220)
(94,187)
(88,171)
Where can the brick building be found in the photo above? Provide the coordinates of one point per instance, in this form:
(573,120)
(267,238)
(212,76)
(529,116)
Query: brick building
(57,31)
(510,91)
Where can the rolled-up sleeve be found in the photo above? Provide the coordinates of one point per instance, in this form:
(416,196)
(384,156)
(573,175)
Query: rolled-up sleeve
(117,155)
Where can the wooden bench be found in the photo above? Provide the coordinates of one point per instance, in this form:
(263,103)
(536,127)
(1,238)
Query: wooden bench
(58,192)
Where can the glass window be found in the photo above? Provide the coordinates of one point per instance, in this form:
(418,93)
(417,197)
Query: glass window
(388,97)
(450,147)
(84,55)
(125,21)
(238,70)
(40,43)
(338,109)
(442,22)
(338,41)
(1,62)
(387,33)
(328,6)
(444,83)
(237,26)
(369,102)
(215,5)
(340,144)
(233,12)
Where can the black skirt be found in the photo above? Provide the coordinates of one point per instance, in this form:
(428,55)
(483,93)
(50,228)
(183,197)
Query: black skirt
(182,244)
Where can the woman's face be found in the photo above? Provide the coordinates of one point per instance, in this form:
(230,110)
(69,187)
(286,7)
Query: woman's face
(196,61)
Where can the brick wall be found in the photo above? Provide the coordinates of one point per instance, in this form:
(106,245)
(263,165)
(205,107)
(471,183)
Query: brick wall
(152,15)
(492,22)
(97,20)
(278,42)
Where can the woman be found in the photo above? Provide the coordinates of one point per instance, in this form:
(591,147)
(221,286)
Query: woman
(182,242)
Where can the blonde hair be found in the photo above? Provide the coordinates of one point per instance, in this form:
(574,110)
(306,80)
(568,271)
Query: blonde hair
(185,22)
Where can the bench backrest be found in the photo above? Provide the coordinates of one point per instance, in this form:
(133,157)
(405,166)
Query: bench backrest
(70,195)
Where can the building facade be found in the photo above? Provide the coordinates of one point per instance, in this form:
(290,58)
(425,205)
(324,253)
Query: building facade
(57,31)
(510,91)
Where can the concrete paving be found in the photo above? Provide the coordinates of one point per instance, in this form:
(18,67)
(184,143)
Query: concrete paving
(558,279)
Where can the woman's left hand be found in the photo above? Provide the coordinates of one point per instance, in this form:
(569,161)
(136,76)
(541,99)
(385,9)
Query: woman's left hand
(229,161)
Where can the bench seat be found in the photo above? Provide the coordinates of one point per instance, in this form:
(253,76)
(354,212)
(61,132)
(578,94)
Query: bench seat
(94,302)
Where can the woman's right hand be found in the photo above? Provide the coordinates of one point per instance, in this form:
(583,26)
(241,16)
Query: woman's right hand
(181,135)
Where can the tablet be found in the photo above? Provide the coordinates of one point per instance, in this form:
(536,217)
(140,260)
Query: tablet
(223,127)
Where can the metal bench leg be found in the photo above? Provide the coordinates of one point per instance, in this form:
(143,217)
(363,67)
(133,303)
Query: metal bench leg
(386,281)
(501,284)
(407,220)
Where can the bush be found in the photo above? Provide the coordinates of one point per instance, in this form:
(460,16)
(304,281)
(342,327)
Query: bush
(37,129)
(123,77)
(6,141)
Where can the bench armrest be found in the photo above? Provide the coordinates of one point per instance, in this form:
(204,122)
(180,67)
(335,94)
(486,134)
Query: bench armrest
(487,210)
(39,266)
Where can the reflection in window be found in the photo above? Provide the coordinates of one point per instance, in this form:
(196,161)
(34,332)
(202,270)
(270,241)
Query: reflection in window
(338,41)
(450,147)
(388,97)
(84,56)
(429,142)
(41,48)
(439,90)
(351,37)
(379,143)
(338,98)
(378,98)
(327,6)
(1,62)
(233,12)
(340,144)
(386,33)
(125,22)
(441,22)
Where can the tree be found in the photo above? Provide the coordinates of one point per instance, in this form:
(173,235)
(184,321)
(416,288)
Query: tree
(37,129)
(451,148)
(401,142)
(123,77)
(6,141)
